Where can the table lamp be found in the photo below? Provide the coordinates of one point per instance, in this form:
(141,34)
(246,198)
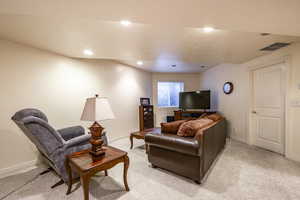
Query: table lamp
(97,109)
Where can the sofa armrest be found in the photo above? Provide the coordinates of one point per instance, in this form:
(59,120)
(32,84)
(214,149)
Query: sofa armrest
(213,141)
(71,132)
(83,139)
(104,138)
(173,142)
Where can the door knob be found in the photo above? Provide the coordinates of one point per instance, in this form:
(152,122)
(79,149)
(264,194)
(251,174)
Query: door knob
(254,112)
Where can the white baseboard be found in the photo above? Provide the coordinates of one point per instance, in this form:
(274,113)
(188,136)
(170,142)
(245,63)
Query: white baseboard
(19,168)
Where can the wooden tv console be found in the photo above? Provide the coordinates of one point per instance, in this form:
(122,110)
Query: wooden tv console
(180,114)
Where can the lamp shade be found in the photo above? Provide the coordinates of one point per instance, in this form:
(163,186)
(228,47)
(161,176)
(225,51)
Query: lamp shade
(97,109)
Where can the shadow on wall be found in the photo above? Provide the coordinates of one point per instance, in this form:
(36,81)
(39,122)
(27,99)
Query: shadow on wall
(215,105)
(214,100)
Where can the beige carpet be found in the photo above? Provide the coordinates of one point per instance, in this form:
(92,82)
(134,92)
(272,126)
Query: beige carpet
(241,172)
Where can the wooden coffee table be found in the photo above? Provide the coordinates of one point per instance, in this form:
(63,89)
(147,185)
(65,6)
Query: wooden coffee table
(82,163)
(141,135)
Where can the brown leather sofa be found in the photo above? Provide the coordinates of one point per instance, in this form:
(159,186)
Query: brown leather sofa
(187,156)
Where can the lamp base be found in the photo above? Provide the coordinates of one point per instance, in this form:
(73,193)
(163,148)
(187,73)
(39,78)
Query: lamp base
(97,152)
(96,156)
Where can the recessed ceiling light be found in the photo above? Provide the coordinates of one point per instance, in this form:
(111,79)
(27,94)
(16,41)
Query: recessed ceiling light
(125,22)
(208,29)
(139,62)
(88,52)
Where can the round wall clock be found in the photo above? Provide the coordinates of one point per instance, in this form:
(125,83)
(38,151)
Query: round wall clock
(227,87)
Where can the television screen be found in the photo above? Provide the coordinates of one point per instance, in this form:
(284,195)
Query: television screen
(194,100)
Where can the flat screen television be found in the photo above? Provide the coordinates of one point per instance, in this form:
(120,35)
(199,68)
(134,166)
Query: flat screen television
(194,100)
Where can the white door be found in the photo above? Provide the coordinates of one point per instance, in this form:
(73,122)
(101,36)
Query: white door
(268,108)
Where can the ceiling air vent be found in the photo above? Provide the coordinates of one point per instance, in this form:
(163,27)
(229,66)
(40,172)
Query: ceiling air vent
(275,46)
(265,34)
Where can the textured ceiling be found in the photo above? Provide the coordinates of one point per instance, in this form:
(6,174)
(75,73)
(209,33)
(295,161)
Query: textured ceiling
(160,39)
(274,16)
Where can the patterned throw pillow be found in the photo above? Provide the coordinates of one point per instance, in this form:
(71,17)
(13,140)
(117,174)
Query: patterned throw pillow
(171,127)
(190,128)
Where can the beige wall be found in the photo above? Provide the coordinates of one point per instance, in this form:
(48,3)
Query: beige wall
(231,106)
(236,106)
(191,83)
(59,86)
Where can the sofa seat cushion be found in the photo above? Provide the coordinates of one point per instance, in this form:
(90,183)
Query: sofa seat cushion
(173,142)
(190,128)
(171,127)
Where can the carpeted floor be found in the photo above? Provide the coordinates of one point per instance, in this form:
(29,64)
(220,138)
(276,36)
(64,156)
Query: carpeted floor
(241,172)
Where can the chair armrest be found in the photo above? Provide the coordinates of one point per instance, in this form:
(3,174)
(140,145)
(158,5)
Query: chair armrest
(83,139)
(71,132)
(104,138)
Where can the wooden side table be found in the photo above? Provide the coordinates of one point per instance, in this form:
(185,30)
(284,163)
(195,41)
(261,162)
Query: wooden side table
(141,135)
(83,164)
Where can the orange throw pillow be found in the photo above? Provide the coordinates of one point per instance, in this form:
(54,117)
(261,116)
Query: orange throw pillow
(171,127)
(190,128)
(214,117)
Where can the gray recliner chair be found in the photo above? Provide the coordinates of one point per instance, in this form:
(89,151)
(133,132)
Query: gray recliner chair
(54,145)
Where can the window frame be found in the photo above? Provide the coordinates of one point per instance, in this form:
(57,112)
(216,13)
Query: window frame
(169,98)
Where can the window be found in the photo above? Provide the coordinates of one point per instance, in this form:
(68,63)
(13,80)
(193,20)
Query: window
(168,93)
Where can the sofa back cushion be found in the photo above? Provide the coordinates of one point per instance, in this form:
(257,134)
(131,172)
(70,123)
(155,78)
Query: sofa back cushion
(190,128)
(171,127)
(215,117)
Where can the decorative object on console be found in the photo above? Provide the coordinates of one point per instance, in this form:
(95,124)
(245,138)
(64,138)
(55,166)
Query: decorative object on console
(97,109)
(145,101)
(146,117)
(228,88)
